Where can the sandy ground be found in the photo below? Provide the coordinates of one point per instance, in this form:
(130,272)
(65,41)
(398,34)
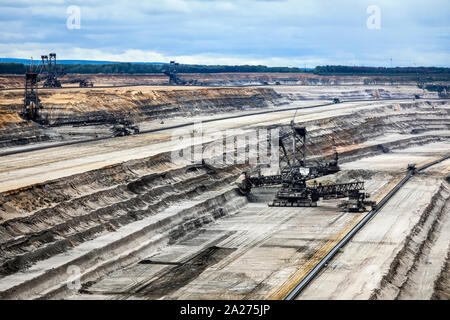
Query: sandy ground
(357,272)
(271,249)
(267,245)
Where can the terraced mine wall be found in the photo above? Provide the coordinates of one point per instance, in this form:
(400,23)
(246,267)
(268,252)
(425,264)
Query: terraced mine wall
(106,105)
(303,79)
(222,79)
(405,271)
(349,93)
(62,214)
(153,202)
(12,81)
(348,133)
(15,131)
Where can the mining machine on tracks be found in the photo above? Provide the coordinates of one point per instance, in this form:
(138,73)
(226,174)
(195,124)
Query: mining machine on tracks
(295,171)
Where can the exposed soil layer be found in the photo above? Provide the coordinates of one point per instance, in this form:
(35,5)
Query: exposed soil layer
(16,131)
(107,105)
(354,135)
(442,284)
(75,108)
(65,213)
(353,92)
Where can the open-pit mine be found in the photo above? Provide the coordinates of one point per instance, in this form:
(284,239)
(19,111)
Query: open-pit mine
(93,205)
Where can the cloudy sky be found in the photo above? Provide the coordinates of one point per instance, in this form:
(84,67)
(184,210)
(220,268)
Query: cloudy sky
(269,32)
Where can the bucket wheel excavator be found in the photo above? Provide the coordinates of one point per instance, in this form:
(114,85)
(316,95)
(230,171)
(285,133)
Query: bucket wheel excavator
(50,72)
(295,171)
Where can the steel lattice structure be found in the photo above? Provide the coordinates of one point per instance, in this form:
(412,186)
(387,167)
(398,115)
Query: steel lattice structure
(295,171)
(31,103)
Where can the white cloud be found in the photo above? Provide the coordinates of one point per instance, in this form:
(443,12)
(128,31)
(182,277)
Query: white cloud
(400,58)
(23,51)
(270,32)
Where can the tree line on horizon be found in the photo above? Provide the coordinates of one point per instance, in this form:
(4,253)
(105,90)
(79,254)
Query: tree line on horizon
(379,70)
(131,68)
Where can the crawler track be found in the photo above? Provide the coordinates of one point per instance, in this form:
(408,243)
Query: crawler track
(316,270)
